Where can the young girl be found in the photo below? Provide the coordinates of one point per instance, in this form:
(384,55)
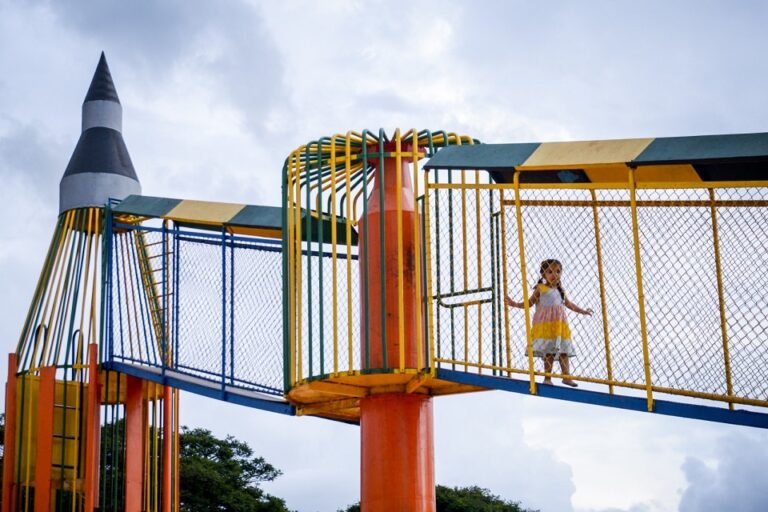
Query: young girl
(551,334)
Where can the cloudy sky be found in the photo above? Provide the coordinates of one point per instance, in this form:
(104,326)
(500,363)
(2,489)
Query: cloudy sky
(216,94)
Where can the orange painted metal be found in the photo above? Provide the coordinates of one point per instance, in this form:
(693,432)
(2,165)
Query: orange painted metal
(168,428)
(92,430)
(397,453)
(134,443)
(44,455)
(372,225)
(9,442)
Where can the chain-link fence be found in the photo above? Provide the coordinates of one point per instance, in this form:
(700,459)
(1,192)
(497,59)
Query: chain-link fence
(201,303)
(677,282)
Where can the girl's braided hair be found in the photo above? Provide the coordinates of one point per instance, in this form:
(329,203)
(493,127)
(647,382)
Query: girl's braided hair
(543,268)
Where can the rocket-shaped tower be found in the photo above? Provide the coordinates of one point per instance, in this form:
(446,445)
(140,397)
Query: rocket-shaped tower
(80,437)
(100,167)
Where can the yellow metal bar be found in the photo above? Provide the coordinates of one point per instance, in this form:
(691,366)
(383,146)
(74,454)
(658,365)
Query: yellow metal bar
(479,258)
(601,277)
(466,337)
(334,286)
(299,305)
(721,297)
(640,294)
(400,284)
(291,271)
(505,287)
(651,203)
(618,185)
(58,270)
(523,278)
(348,226)
(428,270)
(417,250)
(95,281)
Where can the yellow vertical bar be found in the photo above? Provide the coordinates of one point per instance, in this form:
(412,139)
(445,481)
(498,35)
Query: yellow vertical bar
(479,258)
(523,274)
(601,277)
(333,258)
(95,285)
(299,305)
(464,259)
(417,250)
(640,294)
(348,226)
(400,284)
(721,296)
(291,273)
(504,278)
(428,270)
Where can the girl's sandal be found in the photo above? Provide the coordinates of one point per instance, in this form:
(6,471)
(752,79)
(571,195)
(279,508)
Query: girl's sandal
(569,382)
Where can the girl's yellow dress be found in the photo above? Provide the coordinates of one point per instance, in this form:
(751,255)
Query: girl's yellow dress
(551,334)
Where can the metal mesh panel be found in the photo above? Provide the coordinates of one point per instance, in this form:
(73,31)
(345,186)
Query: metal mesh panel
(702,263)
(213,303)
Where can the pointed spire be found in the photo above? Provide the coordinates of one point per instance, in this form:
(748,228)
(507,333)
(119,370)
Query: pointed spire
(100,167)
(102,87)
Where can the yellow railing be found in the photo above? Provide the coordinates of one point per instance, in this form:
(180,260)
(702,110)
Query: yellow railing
(674,271)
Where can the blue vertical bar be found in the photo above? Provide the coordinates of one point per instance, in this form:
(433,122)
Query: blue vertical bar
(231,309)
(164,310)
(176,298)
(223,306)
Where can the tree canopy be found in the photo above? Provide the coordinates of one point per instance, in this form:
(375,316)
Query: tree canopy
(466,499)
(223,475)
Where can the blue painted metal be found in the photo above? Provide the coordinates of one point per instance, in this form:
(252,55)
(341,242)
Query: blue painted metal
(664,407)
(218,393)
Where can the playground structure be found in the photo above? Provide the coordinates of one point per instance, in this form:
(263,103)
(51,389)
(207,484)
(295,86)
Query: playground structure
(378,285)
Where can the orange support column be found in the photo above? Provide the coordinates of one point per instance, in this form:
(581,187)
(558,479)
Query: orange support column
(397,454)
(134,444)
(93,431)
(9,442)
(168,428)
(44,456)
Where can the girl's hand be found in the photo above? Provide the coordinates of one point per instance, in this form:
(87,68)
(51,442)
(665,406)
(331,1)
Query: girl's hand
(587,312)
(509,302)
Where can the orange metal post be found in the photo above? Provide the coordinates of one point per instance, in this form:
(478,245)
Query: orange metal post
(44,456)
(372,224)
(397,454)
(168,425)
(93,431)
(134,443)
(9,442)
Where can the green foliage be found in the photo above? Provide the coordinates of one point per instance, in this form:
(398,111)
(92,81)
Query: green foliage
(223,475)
(465,499)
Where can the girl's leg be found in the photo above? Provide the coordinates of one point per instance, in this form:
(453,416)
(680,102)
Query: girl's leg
(566,370)
(549,361)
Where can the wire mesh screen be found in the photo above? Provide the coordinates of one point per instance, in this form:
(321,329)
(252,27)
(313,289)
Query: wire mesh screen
(702,268)
(205,305)
(328,338)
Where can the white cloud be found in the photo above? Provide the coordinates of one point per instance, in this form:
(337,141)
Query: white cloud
(215,97)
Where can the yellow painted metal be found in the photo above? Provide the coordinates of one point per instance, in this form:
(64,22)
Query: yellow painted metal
(428,270)
(417,249)
(523,279)
(292,312)
(297,217)
(400,283)
(640,294)
(601,277)
(204,212)
(334,285)
(505,286)
(721,296)
(578,154)
(479,259)
(348,226)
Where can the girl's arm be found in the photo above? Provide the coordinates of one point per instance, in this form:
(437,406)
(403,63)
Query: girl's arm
(532,300)
(573,307)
